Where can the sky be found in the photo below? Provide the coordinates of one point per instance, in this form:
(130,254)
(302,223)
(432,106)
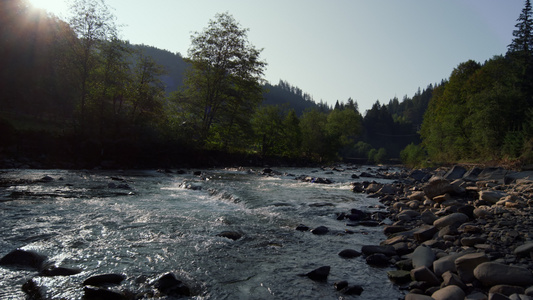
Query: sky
(366,50)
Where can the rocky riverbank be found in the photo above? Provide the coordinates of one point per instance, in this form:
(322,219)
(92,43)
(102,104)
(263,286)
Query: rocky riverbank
(457,233)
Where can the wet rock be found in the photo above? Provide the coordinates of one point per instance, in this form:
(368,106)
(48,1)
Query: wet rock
(23,258)
(98,293)
(399,276)
(451,219)
(320,274)
(46,178)
(466,264)
(451,292)
(378,260)
(492,273)
(105,279)
(353,290)
(339,285)
(32,290)
(371,249)
(169,285)
(302,227)
(349,253)
(59,271)
(232,235)
(320,230)
(423,256)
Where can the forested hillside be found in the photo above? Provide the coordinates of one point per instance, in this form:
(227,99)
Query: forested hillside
(75,95)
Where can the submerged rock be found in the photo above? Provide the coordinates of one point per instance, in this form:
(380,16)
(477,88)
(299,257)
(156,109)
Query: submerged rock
(98,293)
(59,271)
(232,235)
(104,279)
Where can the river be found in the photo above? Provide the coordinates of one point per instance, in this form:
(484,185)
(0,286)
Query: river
(145,224)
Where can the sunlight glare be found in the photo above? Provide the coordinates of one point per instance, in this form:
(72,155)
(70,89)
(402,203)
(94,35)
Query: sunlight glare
(56,7)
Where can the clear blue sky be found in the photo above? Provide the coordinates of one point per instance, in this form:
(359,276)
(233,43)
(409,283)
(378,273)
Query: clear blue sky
(335,49)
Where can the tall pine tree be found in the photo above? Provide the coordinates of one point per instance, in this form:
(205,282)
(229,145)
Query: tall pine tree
(523,35)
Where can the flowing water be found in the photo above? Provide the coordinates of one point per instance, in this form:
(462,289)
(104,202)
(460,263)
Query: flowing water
(145,224)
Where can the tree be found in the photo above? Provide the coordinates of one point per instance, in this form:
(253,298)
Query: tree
(93,23)
(523,35)
(224,82)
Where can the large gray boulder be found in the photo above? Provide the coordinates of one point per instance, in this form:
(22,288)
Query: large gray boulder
(492,273)
(423,256)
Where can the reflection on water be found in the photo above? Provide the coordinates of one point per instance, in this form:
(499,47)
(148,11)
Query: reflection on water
(146,224)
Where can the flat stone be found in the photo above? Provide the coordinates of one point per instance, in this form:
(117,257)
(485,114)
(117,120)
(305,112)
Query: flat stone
(491,196)
(492,273)
(451,292)
(425,233)
(451,219)
(524,250)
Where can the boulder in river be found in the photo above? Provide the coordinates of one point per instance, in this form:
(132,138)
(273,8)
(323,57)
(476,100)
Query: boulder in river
(349,253)
(320,230)
(98,293)
(320,274)
(169,285)
(104,279)
(232,235)
(23,258)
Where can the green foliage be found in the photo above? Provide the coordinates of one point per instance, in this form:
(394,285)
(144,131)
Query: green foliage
(413,155)
(223,85)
